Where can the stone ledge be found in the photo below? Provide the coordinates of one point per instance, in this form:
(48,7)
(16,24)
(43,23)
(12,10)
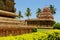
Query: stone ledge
(46,27)
(8,14)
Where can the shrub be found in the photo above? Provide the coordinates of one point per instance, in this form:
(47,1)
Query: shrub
(56,26)
(34,30)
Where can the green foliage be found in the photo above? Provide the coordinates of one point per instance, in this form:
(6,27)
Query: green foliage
(28,12)
(38,12)
(20,15)
(53,10)
(34,30)
(56,26)
(48,35)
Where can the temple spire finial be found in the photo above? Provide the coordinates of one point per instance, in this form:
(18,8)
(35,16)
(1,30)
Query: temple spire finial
(46,9)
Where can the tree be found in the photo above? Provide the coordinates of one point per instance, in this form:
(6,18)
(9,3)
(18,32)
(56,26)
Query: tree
(56,25)
(38,12)
(20,15)
(28,12)
(53,10)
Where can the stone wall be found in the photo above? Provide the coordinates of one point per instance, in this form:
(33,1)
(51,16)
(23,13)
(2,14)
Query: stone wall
(12,31)
(14,27)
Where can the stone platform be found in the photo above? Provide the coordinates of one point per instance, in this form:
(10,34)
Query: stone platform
(12,26)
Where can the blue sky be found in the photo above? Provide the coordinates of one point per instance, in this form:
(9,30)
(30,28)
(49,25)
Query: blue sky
(34,4)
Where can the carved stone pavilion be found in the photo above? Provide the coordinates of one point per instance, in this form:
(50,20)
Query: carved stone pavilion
(45,19)
(8,22)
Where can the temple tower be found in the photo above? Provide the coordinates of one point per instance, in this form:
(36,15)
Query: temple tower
(8,22)
(46,18)
(7,5)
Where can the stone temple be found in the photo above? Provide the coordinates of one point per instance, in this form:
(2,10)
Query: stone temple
(45,19)
(10,25)
(8,22)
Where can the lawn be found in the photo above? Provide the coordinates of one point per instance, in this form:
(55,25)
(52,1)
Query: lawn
(44,30)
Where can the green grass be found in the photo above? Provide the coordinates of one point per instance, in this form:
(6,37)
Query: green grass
(45,30)
(42,29)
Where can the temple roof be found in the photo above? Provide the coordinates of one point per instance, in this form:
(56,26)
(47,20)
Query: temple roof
(46,15)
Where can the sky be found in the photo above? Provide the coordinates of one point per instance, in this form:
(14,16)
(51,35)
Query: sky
(34,4)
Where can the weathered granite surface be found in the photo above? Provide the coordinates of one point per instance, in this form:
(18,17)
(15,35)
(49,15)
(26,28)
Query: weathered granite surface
(12,25)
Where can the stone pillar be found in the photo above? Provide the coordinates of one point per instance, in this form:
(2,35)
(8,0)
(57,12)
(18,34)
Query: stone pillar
(7,32)
(25,31)
(12,32)
(0,32)
(19,31)
(30,30)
